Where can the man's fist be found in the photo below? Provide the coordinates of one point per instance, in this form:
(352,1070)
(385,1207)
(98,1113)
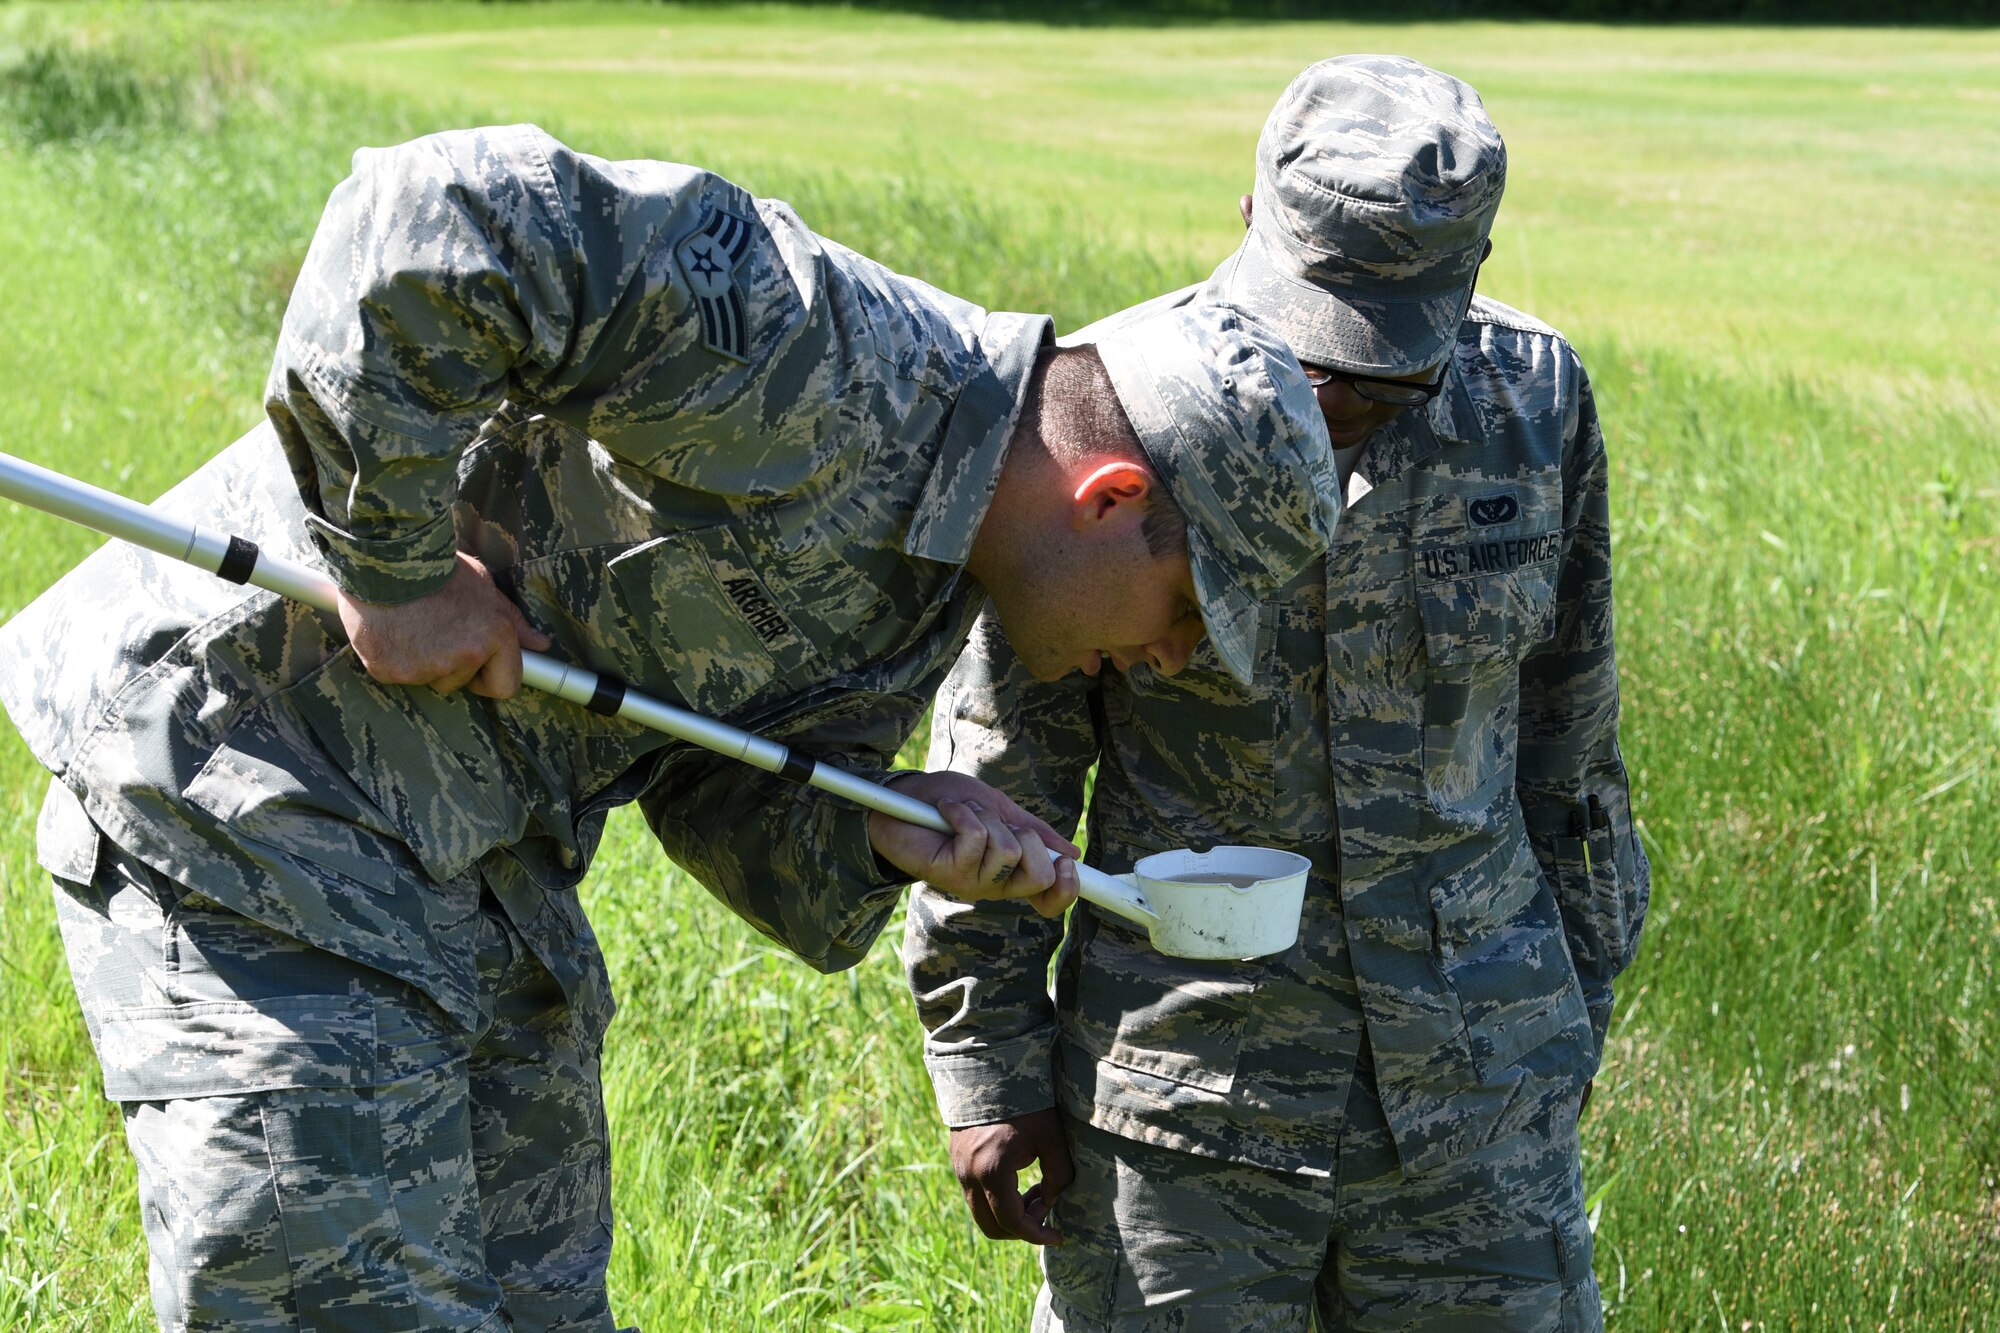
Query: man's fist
(995,849)
(465,633)
(987,1159)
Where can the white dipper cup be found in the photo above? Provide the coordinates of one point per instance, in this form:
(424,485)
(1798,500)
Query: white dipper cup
(1195,916)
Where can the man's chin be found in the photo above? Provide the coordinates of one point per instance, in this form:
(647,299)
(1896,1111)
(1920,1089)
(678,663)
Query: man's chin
(1048,672)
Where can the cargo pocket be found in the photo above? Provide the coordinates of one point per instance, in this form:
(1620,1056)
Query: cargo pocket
(1501,950)
(1476,631)
(261,1161)
(1174,1018)
(1582,1304)
(1080,1279)
(169,1052)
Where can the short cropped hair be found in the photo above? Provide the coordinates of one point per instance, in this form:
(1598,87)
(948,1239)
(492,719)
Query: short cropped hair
(1073,408)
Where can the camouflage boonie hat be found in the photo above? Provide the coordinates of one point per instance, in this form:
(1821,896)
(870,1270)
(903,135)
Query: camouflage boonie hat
(1377,182)
(1234,431)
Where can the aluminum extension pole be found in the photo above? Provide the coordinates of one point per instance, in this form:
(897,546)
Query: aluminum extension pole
(239,561)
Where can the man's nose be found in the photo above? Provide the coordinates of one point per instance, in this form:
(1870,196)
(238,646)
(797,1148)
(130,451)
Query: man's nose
(1169,654)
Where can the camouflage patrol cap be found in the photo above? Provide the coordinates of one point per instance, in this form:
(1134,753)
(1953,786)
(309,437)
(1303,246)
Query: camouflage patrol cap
(1377,182)
(1234,432)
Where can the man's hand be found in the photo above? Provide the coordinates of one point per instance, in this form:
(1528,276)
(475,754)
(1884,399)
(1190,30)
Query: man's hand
(986,1159)
(466,632)
(995,850)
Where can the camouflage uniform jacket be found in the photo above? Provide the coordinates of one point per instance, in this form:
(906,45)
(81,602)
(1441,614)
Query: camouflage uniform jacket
(707,451)
(1435,713)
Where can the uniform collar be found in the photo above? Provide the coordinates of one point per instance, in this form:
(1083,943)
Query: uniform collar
(1452,415)
(1449,418)
(961,483)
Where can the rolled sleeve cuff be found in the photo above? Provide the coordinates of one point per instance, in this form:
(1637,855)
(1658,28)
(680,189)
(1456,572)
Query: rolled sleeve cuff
(996,1083)
(391,570)
(856,867)
(848,844)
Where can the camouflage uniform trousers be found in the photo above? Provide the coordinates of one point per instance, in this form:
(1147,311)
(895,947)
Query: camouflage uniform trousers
(1160,1240)
(319,1147)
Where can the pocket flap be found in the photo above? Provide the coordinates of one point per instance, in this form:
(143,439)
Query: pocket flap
(1484,895)
(426,760)
(229,1048)
(66,841)
(1494,616)
(1173,1018)
(718,624)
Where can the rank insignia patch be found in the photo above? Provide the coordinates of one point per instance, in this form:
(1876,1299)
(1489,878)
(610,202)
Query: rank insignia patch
(708,259)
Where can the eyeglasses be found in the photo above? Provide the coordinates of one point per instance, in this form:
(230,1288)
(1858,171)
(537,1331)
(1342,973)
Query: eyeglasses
(1396,393)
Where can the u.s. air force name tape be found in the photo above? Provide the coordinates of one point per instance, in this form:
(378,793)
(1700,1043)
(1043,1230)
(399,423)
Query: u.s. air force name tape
(1489,557)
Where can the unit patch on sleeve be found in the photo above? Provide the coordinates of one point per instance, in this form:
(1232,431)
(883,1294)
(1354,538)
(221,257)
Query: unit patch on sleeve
(709,259)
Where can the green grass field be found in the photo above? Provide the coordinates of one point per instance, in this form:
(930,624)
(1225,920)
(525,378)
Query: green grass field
(1775,248)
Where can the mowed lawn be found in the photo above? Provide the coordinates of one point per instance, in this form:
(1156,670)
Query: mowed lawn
(1775,248)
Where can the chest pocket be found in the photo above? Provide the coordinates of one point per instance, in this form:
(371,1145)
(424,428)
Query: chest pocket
(723,636)
(1493,618)
(1486,599)
(686,615)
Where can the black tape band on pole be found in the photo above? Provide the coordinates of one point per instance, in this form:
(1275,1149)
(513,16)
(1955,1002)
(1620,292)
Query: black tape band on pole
(608,697)
(797,768)
(238,562)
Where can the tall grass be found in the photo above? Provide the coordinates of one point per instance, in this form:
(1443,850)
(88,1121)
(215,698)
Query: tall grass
(1802,1127)
(1796,1126)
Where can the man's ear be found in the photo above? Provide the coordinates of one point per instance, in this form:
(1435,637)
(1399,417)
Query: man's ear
(1243,203)
(1111,490)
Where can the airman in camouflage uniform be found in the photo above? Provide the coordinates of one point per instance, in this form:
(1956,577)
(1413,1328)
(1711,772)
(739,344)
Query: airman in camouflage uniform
(322,928)
(1377,1128)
